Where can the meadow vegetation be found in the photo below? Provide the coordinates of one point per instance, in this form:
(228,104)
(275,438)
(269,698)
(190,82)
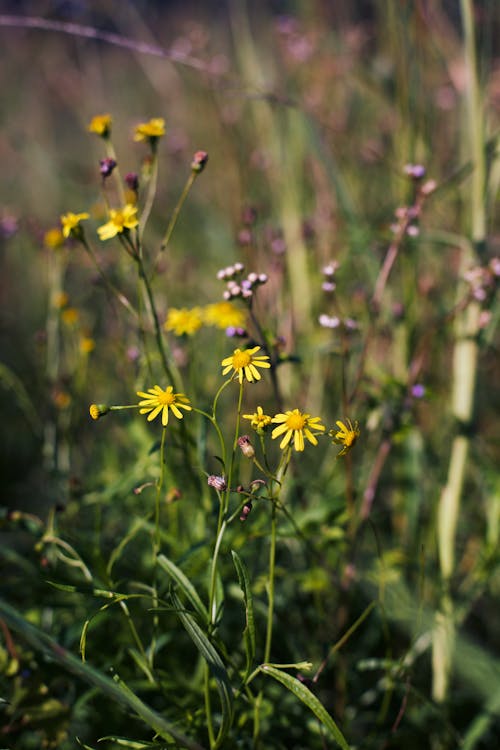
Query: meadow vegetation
(249,376)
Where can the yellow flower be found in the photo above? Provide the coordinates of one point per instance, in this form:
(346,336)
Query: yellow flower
(245,363)
(71,224)
(119,220)
(87,345)
(155,128)
(183,320)
(100,125)
(97,411)
(296,424)
(157,400)
(258,420)
(347,435)
(224,314)
(70,316)
(60,300)
(53,238)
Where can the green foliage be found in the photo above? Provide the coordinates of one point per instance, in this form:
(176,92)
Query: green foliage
(156,573)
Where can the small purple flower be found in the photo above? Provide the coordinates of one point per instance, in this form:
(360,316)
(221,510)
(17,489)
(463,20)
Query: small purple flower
(418,390)
(328,321)
(106,166)
(415,171)
(328,286)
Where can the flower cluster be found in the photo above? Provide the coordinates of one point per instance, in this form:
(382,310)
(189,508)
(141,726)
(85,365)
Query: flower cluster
(482,279)
(236,285)
(224,315)
(328,272)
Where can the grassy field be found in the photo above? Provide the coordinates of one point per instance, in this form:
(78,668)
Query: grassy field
(249,375)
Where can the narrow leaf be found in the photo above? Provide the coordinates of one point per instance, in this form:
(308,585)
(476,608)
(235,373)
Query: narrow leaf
(304,694)
(214,661)
(185,586)
(249,632)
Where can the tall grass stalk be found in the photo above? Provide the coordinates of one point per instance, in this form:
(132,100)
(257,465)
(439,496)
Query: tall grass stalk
(464,363)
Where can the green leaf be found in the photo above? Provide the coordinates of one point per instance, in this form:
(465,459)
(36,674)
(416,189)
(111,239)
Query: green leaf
(215,665)
(185,586)
(249,632)
(304,694)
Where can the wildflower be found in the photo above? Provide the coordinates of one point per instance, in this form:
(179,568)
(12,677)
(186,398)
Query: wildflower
(87,345)
(119,220)
(157,400)
(70,316)
(61,399)
(245,363)
(106,166)
(297,424)
(418,390)
(245,511)
(327,321)
(97,411)
(347,435)
(246,446)
(60,300)
(200,159)
(132,181)
(224,315)
(150,131)
(53,238)
(415,171)
(71,225)
(100,125)
(219,483)
(258,420)
(184,321)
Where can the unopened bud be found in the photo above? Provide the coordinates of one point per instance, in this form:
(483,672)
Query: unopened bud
(199,161)
(246,446)
(245,511)
(106,166)
(132,181)
(217,482)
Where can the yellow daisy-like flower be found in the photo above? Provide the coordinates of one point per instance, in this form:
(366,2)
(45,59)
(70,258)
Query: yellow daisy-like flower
(184,321)
(346,435)
(157,400)
(71,224)
(119,220)
(53,238)
(155,128)
(87,344)
(258,420)
(223,315)
(296,424)
(245,363)
(100,125)
(70,316)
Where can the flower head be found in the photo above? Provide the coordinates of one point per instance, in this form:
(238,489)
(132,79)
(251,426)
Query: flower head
(119,220)
(157,400)
(224,315)
(100,125)
(245,363)
(199,162)
(184,321)
(150,131)
(346,435)
(53,238)
(97,411)
(258,420)
(296,424)
(71,224)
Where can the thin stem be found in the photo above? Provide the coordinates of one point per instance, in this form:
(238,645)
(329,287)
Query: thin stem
(153,182)
(175,214)
(270,588)
(157,544)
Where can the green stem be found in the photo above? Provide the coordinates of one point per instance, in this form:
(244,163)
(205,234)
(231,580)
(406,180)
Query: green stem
(157,544)
(148,205)
(465,358)
(175,214)
(270,590)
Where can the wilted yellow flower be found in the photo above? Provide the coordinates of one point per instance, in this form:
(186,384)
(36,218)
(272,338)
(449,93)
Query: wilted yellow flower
(71,224)
(153,129)
(223,315)
(101,125)
(346,435)
(184,321)
(119,220)
(53,238)
(245,363)
(258,420)
(97,411)
(296,424)
(157,400)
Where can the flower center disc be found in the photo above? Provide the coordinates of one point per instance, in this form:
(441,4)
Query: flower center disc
(166,399)
(296,422)
(242,359)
